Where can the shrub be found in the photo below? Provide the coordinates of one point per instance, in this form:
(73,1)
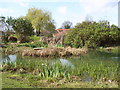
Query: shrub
(33,45)
(40,44)
(26,45)
(92,34)
(35,38)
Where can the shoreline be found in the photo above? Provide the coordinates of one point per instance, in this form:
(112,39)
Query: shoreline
(54,51)
(59,52)
(36,74)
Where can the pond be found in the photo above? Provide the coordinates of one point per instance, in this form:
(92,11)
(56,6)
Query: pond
(95,64)
(95,56)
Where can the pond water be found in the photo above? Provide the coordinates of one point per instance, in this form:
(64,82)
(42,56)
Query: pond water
(93,58)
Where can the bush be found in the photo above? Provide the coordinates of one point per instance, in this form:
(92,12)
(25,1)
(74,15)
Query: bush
(23,29)
(92,34)
(59,45)
(26,45)
(33,45)
(40,44)
(35,38)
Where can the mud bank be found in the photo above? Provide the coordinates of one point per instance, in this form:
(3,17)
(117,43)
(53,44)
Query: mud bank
(55,52)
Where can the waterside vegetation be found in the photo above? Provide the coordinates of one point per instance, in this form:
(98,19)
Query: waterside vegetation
(35,36)
(54,74)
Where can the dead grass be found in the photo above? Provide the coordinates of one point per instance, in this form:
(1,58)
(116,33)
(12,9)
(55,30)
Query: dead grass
(55,52)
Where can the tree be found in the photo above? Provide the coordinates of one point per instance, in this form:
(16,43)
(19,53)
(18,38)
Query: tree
(41,20)
(23,28)
(3,24)
(93,34)
(66,25)
(5,28)
(49,29)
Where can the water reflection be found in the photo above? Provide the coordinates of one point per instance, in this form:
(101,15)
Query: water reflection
(115,57)
(12,58)
(66,62)
(8,58)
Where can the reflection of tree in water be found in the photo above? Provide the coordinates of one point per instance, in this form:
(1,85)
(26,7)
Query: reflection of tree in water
(5,58)
(66,62)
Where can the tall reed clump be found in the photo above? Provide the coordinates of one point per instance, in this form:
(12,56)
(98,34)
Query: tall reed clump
(55,71)
(85,71)
(96,72)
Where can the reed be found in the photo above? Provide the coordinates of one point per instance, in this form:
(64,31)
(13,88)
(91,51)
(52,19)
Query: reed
(85,71)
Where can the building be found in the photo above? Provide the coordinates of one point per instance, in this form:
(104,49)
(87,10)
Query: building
(119,14)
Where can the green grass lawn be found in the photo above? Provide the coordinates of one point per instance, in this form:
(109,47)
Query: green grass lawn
(14,80)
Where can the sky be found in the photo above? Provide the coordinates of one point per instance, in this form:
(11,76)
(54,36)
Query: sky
(75,11)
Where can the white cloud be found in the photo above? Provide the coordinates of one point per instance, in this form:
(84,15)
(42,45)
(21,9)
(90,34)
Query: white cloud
(62,10)
(15,0)
(10,12)
(92,1)
(23,4)
(4,11)
(39,0)
(94,6)
(101,9)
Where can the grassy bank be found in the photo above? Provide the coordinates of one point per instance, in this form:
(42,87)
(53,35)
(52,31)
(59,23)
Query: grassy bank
(90,74)
(16,48)
(115,50)
(15,80)
(38,74)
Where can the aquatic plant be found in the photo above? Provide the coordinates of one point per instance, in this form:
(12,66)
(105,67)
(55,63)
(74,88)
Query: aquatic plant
(86,71)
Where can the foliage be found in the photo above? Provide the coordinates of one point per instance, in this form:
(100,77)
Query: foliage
(3,25)
(49,30)
(34,38)
(23,28)
(16,80)
(13,35)
(5,29)
(40,44)
(33,45)
(34,71)
(41,21)
(59,45)
(67,25)
(26,45)
(93,34)
(94,71)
